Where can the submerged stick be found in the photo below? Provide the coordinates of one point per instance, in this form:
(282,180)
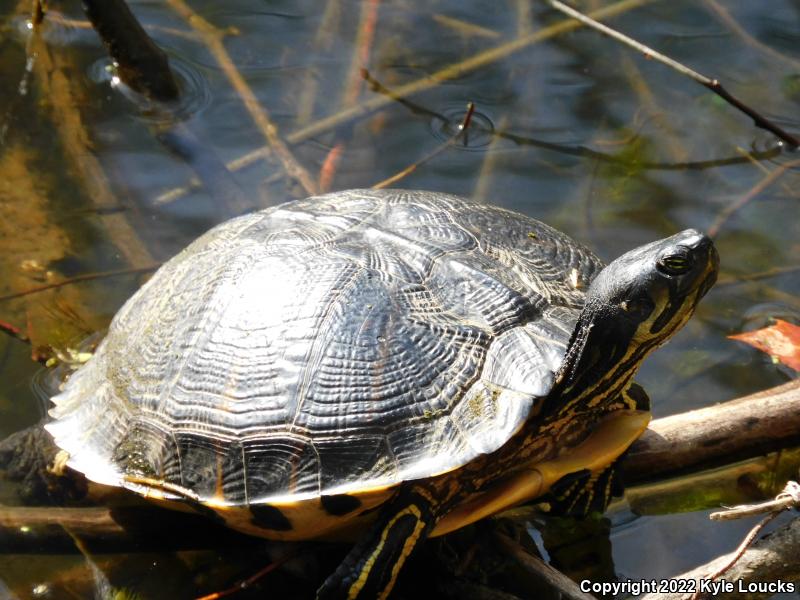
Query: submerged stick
(212,37)
(141,64)
(53,73)
(451,72)
(712,84)
(355,81)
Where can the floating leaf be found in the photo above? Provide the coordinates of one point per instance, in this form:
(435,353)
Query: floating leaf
(781,341)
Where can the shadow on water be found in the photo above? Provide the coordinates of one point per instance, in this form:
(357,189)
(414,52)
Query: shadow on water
(574,130)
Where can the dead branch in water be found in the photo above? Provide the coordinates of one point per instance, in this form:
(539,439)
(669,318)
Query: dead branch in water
(141,64)
(213,39)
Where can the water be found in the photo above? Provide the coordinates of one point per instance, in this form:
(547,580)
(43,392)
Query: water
(590,137)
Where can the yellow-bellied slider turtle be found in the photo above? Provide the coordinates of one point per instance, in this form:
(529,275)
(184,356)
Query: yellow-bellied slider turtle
(297,368)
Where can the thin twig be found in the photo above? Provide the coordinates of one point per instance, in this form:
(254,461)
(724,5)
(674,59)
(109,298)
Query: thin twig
(581,151)
(465,28)
(78,279)
(462,129)
(746,542)
(323,42)
(212,36)
(234,165)
(712,84)
(729,210)
(788,498)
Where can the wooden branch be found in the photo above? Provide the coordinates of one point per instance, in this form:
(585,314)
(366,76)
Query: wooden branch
(788,498)
(141,64)
(768,561)
(735,430)
(550,577)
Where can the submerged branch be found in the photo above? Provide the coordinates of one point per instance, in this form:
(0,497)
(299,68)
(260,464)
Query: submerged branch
(58,85)
(454,71)
(141,64)
(213,37)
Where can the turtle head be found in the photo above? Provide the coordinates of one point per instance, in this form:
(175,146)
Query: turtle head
(633,306)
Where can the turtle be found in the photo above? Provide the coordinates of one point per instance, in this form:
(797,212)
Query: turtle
(381,366)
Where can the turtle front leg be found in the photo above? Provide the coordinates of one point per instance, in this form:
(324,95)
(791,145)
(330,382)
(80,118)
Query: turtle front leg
(371,567)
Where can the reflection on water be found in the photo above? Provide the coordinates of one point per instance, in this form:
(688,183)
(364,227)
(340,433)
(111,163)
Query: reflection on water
(589,137)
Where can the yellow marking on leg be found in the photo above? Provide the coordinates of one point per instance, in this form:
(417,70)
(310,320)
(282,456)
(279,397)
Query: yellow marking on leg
(408,546)
(359,584)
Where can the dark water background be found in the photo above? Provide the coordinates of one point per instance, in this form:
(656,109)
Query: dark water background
(590,137)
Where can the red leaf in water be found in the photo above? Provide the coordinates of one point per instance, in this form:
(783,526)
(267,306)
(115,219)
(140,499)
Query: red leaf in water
(781,341)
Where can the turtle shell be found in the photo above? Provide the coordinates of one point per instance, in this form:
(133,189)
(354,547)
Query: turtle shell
(328,348)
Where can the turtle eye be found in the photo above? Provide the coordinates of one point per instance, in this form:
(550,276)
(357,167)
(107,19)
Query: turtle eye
(675,264)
